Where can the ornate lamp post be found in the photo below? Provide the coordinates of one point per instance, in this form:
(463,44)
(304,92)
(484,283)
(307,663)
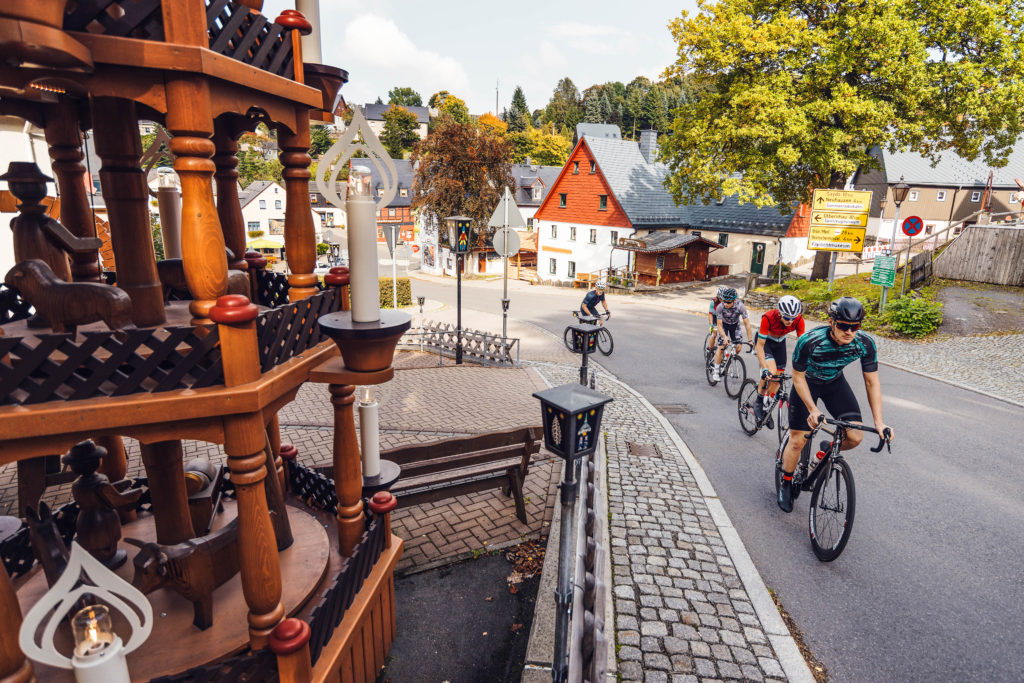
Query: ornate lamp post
(459,239)
(900,191)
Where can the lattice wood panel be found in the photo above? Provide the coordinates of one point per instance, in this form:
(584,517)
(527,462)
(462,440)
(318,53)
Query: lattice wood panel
(248,36)
(141,19)
(291,329)
(271,288)
(258,667)
(12,306)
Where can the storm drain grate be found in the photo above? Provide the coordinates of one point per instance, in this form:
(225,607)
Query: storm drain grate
(645,450)
(675,409)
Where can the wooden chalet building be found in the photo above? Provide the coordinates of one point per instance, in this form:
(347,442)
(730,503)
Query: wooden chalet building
(661,258)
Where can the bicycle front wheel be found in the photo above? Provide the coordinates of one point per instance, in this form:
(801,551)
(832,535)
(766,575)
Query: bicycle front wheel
(832,508)
(707,351)
(735,374)
(782,419)
(604,341)
(745,406)
(709,369)
(567,337)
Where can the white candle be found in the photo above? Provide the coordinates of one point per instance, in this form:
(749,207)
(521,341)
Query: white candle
(369,434)
(364,285)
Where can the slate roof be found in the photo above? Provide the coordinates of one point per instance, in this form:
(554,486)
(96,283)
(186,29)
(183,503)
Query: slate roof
(667,241)
(597,130)
(375,112)
(406,173)
(253,189)
(952,169)
(526,175)
(639,188)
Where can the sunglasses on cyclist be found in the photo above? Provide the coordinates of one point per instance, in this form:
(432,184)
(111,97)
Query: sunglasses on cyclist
(848,327)
(787,319)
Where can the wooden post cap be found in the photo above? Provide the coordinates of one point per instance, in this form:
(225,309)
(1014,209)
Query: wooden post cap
(255,259)
(289,452)
(233,309)
(291,635)
(294,19)
(337,276)
(383,502)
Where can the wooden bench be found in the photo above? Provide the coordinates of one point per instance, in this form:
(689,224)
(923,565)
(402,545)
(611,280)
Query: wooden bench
(444,469)
(586,280)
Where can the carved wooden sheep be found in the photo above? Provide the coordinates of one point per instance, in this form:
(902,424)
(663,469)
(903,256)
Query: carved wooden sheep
(193,568)
(66,305)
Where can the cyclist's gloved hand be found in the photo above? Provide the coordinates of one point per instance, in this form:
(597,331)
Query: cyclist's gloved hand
(607,314)
(814,418)
(765,373)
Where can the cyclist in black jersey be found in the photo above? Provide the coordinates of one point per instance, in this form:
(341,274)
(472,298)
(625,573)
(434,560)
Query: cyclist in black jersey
(590,301)
(818,361)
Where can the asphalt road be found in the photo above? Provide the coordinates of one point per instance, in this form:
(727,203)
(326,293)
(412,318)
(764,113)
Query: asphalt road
(930,587)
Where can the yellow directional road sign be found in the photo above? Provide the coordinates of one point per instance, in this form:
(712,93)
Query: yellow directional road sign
(839,220)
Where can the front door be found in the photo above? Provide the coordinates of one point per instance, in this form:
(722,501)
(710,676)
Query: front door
(757,258)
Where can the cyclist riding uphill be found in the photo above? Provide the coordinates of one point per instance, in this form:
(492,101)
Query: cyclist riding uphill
(589,305)
(771,347)
(729,313)
(712,318)
(818,361)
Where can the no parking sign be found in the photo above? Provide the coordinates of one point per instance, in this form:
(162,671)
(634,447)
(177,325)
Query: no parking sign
(912,226)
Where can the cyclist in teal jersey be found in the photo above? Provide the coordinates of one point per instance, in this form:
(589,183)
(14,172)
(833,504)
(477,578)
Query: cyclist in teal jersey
(818,361)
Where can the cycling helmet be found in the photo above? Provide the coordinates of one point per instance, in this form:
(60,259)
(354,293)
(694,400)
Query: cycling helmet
(790,306)
(846,309)
(729,295)
(599,284)
(721,291)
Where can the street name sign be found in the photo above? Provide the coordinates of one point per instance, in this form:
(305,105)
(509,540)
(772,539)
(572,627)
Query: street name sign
(884,271)
(839,220)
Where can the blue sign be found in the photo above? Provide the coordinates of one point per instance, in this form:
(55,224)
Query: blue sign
(912,226)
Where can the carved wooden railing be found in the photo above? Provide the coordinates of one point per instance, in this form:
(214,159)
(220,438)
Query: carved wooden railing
(142,19)
(271,288)
(251,667)
(291,329)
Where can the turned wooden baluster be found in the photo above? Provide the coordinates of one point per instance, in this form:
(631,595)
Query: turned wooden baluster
(290,642)
(65,141)
(255,262)
(382,503)
(348,472)
(127,198)
(164,463)
(14,666)
(228,208)
(244,442)
(299,234)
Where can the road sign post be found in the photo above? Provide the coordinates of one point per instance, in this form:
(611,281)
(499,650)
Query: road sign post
(391,235)
(506,243)
(912,226)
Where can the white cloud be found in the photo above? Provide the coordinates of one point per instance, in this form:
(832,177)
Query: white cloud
(544,59)
(593,38)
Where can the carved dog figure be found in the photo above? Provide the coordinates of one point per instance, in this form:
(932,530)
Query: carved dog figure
(193,568)
(47,543)
(66,305)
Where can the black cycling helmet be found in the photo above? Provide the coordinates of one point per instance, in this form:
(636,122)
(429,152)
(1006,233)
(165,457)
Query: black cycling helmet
(846,309)
(729,295)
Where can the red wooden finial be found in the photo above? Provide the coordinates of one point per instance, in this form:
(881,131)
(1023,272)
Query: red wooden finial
(291,635)
(383,502)
(255,259)
(337,276)
(293,19)
(233,308)
(289,452)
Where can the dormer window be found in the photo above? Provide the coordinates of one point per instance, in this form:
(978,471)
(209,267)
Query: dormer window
(403,192)
(380,191)
(538,190)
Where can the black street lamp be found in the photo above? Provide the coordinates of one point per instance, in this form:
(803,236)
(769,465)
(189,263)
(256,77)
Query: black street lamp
(460,236)
(584,342)
(900,191)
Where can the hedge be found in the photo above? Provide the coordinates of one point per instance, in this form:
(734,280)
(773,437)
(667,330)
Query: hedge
(404,292)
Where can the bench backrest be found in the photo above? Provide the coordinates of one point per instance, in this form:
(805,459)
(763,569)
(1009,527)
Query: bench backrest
(522,442)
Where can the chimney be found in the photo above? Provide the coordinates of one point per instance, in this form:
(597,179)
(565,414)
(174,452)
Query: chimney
(649,145)
(529,162)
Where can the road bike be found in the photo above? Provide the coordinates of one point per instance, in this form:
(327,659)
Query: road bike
(829,477)
(605,343)
(779,404)
(734,372)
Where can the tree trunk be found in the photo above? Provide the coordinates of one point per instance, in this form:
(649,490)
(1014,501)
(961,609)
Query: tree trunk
(822,259)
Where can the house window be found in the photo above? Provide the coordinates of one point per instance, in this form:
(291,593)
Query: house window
(593,235)
(572,269)
(529,224)
(695,233)
(263,203)
(602,204)
(561,200)
(723,239)
(572,233)
(553,266)
(575,168)
(615,237)
(275,189)
(593,167)
(660,262)
(391,212)
(1015,197)
(253,225)
(929,229)
(940,196)
(913,196)
(403,192)
(537,191)
(380,191)
(277,203)
(312,199)
(672,231)
(976,196)
(554,231)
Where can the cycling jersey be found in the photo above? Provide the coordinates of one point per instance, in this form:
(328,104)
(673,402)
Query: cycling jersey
(731,316)
(711,308)
(590,301)
(823,359)
(773,327)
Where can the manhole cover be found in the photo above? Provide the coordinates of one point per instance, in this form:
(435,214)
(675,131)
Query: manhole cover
(646,450)
(674,409)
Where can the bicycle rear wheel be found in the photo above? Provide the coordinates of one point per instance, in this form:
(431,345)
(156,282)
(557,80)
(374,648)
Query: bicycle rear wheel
(707,351)
(709,369)
(567,337)
(745,406)
(605,344)
(734,374)
(782,419)
(832,506)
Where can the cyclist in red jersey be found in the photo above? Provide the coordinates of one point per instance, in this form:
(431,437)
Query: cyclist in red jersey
(786,317)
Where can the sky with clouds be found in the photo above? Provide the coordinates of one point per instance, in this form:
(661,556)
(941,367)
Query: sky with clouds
(470,48)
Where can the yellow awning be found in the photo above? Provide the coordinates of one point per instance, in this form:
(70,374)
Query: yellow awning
(264,244)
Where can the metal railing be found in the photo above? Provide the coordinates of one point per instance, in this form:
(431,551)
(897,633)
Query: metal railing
(481,347)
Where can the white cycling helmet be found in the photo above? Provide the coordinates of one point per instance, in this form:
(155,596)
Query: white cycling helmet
(599,284)
(790,306)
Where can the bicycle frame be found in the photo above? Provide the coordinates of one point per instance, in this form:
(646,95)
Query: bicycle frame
(835,452)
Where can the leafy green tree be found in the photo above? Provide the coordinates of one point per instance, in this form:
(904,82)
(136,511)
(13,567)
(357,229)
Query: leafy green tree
(797,93)
(518,116)
(400,132)
(253,166)
(564,108)
(319,140)
(592,111)
(455,108)
(438,98)
(463,169)
(544,148)
(404,97)
(165,158)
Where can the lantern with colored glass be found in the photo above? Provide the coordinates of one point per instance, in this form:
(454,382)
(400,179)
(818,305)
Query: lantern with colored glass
(460,238)
(584,338)
(571,416)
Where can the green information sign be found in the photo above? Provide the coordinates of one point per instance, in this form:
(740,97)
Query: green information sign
(884,271)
